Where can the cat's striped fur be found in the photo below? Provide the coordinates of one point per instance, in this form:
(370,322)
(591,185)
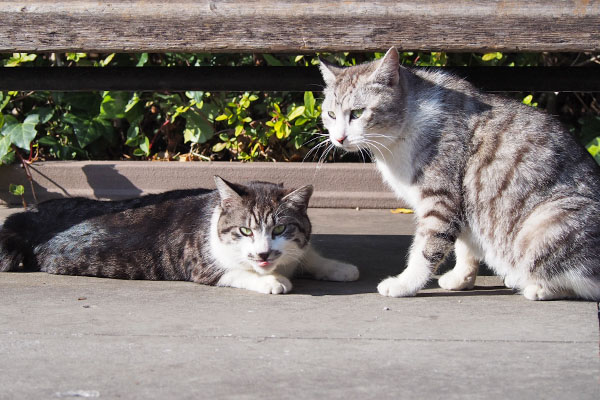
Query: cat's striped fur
(499,181)
(223,237)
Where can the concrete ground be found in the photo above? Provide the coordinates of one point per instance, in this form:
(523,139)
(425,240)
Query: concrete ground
(66,337)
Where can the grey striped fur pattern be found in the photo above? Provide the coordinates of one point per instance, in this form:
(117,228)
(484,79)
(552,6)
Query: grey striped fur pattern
(252,236)
(493,179)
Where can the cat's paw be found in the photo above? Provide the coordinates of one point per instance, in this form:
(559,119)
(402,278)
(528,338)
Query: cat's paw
(396,287)
(536,291)
(453,280)
(271,284)
(338,271)
(511,282)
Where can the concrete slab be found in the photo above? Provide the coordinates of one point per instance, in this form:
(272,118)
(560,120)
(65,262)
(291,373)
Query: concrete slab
(63,336)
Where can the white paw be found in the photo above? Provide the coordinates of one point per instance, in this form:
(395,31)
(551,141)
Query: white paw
(511,281)
(452,280)
(271,284)
(396,287)
(536,291)
(340,272)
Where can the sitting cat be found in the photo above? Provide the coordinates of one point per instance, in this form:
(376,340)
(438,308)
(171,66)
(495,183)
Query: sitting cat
(499,181)
(251,236)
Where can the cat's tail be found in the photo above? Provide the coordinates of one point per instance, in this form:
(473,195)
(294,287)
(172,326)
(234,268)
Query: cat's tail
(16,253)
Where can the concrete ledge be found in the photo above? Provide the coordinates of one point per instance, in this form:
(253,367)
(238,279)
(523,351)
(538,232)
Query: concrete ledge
(339,185)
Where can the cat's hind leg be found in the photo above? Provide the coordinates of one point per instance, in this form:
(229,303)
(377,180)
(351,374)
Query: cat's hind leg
(462,276)
(328,269)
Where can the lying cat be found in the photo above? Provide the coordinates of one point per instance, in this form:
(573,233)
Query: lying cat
(251,236)
(499,181)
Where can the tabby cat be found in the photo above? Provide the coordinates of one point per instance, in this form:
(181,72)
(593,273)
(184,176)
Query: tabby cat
(251,236)
(497,180)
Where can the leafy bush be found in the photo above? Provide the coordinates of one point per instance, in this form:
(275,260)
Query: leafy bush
(218,126)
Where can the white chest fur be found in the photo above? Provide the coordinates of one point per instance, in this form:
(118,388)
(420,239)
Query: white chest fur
(397,174)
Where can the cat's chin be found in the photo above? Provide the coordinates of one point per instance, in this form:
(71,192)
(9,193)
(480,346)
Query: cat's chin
(349,148)
(263,268)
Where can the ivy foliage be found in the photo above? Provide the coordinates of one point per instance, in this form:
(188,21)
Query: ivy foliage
(198,125)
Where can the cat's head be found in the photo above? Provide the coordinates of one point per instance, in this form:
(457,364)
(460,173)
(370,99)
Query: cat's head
(362,103)
(263,225)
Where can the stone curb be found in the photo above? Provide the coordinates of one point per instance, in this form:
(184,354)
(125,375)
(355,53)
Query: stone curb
(337,185)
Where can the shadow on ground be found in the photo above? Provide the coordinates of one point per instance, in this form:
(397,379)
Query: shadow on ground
(377,257)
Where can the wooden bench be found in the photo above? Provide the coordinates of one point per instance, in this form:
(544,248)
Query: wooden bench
(295,27)
(298,27)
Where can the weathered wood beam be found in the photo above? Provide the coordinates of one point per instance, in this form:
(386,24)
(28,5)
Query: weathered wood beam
(299,26)
(499,79)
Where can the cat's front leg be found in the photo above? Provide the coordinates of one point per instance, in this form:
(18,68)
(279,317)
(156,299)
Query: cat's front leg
(434,237)
(246,279)
(328,269)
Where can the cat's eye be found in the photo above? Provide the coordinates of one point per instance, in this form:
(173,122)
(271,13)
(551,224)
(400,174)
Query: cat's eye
(355,114)
(245,231)
(278,230)
(331,114)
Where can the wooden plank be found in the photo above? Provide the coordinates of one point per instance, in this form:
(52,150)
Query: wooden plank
(496,79)
(299,26)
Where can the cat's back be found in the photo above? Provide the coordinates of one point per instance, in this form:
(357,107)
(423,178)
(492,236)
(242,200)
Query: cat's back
(50,217)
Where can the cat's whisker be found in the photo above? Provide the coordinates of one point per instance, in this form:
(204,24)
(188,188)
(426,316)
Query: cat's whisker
(374,145)
(325,153)
(314,149)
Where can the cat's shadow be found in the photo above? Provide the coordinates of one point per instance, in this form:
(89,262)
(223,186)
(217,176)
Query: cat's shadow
(378,257)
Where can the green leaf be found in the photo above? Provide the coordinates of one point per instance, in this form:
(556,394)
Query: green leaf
(114,105)
(47,141)
(107,60)
(17,190)
(221,117)
(4,99)
(491,56)
(272,61)
(197,129)
(83,103)
(142,60)
(21,135)
(45,114)
(5,146)
(144,147)
(296,112)
(527,99)
(239,129)
(197,96)
(300,121)
(1,120)
(86,130)
(309,102)
(594,149)
(219,147)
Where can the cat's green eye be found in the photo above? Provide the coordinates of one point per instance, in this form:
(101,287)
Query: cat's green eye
(355,114)
(245,231)
(278,230)
(331,114)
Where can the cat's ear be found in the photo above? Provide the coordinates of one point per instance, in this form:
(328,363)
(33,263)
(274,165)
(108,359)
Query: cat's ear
(227,192)
(299,198)
(329,71)
(387,70)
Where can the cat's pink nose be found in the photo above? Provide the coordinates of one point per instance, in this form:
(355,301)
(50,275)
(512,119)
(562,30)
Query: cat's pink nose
(340,140)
